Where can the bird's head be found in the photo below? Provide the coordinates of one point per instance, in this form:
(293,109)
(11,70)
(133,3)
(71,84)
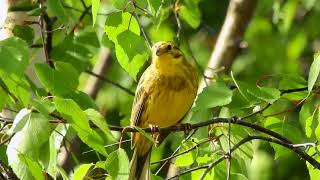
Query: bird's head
(166,52)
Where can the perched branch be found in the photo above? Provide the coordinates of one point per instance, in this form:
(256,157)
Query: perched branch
(215,120)
(290,146)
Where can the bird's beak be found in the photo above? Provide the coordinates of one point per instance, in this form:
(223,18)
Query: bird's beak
(161,50)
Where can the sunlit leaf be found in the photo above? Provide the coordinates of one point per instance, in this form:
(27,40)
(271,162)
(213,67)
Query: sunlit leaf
(188,158)
(98,120)
(117,164)
(77,49)
(14,56)
(314,72)
(190,13)
(33,167)
(216,94)
(59,81)
(20,120)
(95,9)
(28,142)
(131,49)
(264,93)
(81,171)
(79,122)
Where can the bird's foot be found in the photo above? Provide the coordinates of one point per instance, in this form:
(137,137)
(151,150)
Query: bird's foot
(155,132)
(187,128)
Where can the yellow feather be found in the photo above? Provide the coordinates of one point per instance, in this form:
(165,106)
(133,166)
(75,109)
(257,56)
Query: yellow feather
(165,93)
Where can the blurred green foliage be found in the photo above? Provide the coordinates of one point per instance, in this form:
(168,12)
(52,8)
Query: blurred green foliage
(277,67)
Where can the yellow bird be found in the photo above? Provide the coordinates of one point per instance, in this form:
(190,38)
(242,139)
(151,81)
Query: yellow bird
(165,93)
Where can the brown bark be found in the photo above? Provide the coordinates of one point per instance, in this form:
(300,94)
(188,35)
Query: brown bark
(227,46)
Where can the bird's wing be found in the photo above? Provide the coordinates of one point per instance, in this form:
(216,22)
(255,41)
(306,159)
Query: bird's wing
(139,104)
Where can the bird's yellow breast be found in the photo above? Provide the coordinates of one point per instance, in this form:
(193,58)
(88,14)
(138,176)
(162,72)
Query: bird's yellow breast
(170,98)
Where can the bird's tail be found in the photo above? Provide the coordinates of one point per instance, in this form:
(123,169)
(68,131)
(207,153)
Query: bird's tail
(140,162)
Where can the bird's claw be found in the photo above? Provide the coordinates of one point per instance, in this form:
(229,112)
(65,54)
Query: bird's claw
(155,132)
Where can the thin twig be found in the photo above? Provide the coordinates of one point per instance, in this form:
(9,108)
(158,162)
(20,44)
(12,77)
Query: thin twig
(111,82)
(257,112)
(184,152)
(229,152)
(46,40)
(6,140)
(243,141)
(83,14)
(109,145)
(176,15)
(142,30)
(87,12)
(176,151)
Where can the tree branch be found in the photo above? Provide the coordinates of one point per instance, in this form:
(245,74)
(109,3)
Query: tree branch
(111,82)
(290,146)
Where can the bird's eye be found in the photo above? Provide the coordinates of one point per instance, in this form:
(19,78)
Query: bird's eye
(169,47)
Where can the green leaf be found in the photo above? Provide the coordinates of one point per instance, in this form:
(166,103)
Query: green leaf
(132,52)
(313,172)
(33,167)
(118,22)
(145,134)
(296,46)
(286,129)
(81,172)
(199,114)
(308,128)
(264,93)
(24,32)
(20,120)
(131,49)
(59,81)
(243,90)
(79,122)
(44,106)
(217,94)
(119,4)
(77,49)
(63,173)
(3,97)
(190,13)
(117,164)
(28,142)
(82,99)
(98,120)
(197,174)
(154,6)
(55,141)
(14,56)
(261,166)
(95,9)
(314,71)
(55,8)
(292,81)
(188,158)
(18,87)
(288,12)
